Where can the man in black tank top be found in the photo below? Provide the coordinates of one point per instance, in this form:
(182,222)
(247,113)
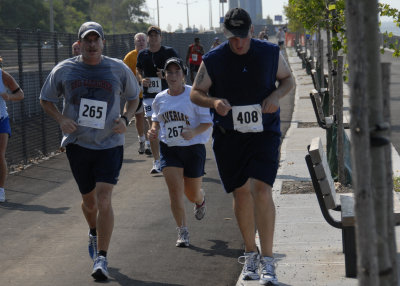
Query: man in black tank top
(246,148)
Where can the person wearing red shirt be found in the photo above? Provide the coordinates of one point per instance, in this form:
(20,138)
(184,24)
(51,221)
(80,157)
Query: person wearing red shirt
(194,57)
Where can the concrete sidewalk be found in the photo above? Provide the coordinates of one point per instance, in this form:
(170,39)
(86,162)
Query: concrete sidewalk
(308,250)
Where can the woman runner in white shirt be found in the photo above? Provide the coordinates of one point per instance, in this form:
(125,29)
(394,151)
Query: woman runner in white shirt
(183,129)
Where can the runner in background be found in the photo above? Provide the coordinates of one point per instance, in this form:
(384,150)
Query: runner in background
(216,43)
(130,60)
(194,56)
(76,50)
(150,63)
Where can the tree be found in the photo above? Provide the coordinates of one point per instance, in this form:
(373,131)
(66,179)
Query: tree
(130,17)
(70,14)
(24,14)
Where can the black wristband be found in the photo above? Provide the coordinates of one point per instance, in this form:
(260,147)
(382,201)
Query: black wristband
(16,90)
(126,119)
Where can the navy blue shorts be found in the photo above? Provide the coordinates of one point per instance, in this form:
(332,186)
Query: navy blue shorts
(5,126)
(241,156)
(91,166)
(191,158)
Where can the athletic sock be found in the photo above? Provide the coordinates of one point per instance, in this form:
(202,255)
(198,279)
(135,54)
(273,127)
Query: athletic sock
(93,231)
(142,138)
(200,205)
(103,253)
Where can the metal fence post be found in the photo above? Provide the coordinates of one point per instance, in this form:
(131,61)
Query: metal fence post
(21,84)
(40,67)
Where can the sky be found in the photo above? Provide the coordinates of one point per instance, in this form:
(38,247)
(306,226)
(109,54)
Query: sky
(174,12)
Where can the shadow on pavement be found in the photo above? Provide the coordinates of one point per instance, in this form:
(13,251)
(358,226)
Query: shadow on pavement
(124,280)
(219,248)
(33,208)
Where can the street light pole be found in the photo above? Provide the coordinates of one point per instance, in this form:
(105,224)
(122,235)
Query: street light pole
(51,17)
(187,13)
(187,10)
(209,7)
(158,15)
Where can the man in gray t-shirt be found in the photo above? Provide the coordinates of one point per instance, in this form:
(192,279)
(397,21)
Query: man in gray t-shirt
(93,130)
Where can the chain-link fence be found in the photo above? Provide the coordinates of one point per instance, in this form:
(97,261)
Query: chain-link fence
(29,57)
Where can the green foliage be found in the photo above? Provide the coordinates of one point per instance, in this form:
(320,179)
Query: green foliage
(305,14)
(386,10)
(396,184)
(129,16)
(24,14)
(310,15)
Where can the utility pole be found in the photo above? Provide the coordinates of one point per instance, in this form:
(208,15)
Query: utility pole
(51,17)
(187,13)
(187,10)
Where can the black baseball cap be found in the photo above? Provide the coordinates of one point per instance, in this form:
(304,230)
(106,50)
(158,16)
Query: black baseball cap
(174,60)
(154,29)
(88,27)
(237,23)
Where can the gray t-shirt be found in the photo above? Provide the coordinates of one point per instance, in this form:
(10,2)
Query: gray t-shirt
(92,96)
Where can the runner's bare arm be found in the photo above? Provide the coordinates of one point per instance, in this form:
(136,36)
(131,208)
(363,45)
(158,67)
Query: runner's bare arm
(187,56)
(189,133)
(285,77)
(141,78)
(17,93)
(152,134)
(67,125)
(199,96)
(129,110)
(286,84)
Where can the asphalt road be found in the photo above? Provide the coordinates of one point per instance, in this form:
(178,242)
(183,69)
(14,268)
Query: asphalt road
(44,235)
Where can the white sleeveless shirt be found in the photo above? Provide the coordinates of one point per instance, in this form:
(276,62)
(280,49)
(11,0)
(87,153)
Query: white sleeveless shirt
(3,105)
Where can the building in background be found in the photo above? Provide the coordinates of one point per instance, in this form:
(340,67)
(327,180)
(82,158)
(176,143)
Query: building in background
(253,7)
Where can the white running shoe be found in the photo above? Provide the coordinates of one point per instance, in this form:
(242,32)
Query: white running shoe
(100,271)
(250,265)
(267,271)
(2,195)
(183,237)
(156,167)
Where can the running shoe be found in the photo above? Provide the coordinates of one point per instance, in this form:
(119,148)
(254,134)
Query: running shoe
(156,167)
(100,272)
(183,237)
(92,247)
(2,196)
(141,147)
(250,265)
(147,149)
(267,273)
(200,210)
